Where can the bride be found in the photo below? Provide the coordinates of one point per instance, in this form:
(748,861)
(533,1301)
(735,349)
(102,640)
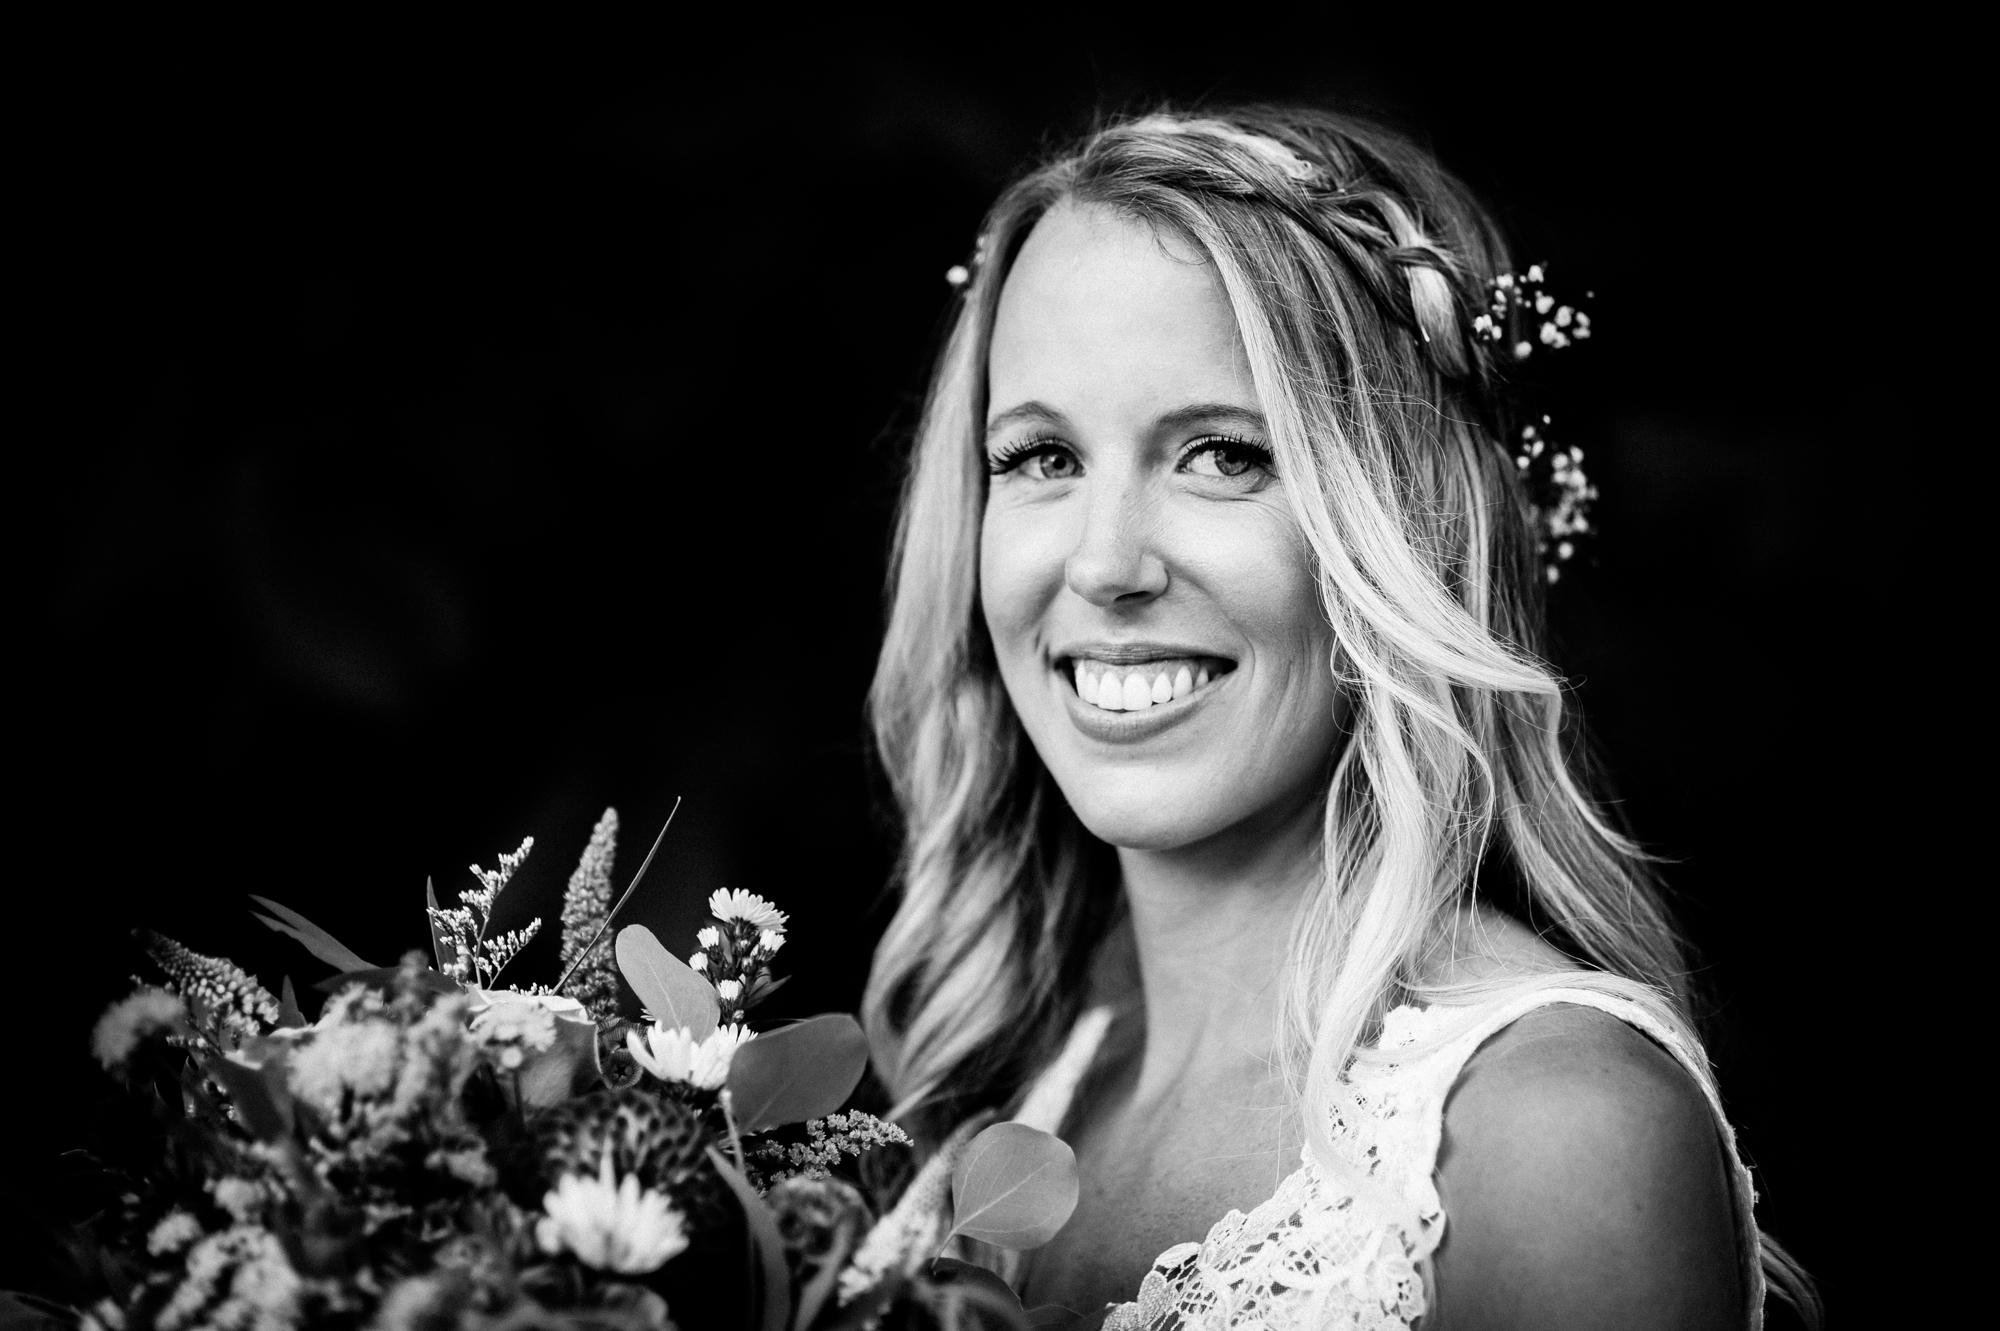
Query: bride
(1246,848)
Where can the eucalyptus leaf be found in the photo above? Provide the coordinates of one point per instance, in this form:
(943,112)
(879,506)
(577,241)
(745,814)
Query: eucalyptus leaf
(1014,1187)
(798,1072)
(978,1291)
(259,1094)
(317,940)
(672,992)
(770,1278)
(547,1077)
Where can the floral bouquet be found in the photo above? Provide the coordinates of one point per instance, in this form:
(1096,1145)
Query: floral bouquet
(434,1150)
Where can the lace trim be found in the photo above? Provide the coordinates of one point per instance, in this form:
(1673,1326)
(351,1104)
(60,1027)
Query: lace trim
(1346,1251)
(1321,1251)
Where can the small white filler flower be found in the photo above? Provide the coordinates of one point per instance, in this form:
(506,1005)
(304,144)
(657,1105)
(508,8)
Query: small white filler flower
(671,1053)
(610,1224)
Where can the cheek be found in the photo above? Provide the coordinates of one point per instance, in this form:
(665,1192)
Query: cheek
(1019,572)
(1260,569)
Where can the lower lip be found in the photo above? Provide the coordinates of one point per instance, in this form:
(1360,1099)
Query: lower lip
(1131,727)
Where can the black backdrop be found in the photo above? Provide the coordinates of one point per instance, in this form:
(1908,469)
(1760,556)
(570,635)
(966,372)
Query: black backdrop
(448,439)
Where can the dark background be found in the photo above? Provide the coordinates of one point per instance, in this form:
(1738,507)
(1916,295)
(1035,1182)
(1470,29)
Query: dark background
(442,438)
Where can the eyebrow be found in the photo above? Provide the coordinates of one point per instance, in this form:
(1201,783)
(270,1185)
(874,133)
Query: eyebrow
(1179,418)
(1039,412)
(1216,412)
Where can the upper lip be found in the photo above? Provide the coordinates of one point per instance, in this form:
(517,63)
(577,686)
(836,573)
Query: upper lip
(1133,653)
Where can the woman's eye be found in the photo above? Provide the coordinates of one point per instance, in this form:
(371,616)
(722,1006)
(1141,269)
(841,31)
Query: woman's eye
(1054,464)
(1228,458)
(1042,462)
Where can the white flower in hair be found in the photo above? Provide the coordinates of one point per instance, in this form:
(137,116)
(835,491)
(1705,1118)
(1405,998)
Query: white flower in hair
(771,941)
(671,1053)
(728,904)
(729,990)
(709,937)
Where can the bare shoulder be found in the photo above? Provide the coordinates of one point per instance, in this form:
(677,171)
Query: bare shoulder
(1486,946)
(1583,1184)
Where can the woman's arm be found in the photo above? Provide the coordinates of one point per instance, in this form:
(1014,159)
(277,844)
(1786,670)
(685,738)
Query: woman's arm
(1583,1186)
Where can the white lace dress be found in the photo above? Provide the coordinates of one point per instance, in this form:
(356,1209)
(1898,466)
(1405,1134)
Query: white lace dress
(1352,1248)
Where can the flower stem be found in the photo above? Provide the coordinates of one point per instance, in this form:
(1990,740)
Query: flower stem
(735,1138)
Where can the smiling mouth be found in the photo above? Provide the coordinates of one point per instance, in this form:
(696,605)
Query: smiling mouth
(1134,686)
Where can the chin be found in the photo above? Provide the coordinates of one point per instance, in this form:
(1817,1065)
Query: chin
(1147,814)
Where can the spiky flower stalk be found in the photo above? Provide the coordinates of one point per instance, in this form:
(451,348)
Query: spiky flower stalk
(241,1007)
(586,906)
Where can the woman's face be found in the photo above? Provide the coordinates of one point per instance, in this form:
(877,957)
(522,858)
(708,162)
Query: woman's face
(1149,595)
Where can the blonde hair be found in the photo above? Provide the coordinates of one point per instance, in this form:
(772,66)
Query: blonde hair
(1354,265)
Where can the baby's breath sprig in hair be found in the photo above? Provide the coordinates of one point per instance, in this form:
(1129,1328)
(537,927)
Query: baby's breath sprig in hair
(1515,303)
(960,275)
(1520,316)
(1559,494)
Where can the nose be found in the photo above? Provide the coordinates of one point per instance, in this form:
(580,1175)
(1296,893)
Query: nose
(1114,561)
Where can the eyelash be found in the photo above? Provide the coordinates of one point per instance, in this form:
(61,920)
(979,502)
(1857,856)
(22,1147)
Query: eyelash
(1013,455)
(1206,443)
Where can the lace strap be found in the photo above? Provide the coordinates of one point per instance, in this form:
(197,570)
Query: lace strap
(1460,1033)
(1047,1102)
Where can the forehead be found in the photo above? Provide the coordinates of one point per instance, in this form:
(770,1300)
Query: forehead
(1101,308)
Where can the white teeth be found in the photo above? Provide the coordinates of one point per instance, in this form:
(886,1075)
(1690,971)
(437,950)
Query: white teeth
(1110,696)
(1131,689)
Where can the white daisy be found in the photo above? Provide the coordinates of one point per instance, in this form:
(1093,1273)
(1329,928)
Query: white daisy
(671,1053)
(728,904)
(611,1224)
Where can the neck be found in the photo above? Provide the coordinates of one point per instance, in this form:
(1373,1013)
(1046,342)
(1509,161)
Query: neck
(1210,925)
